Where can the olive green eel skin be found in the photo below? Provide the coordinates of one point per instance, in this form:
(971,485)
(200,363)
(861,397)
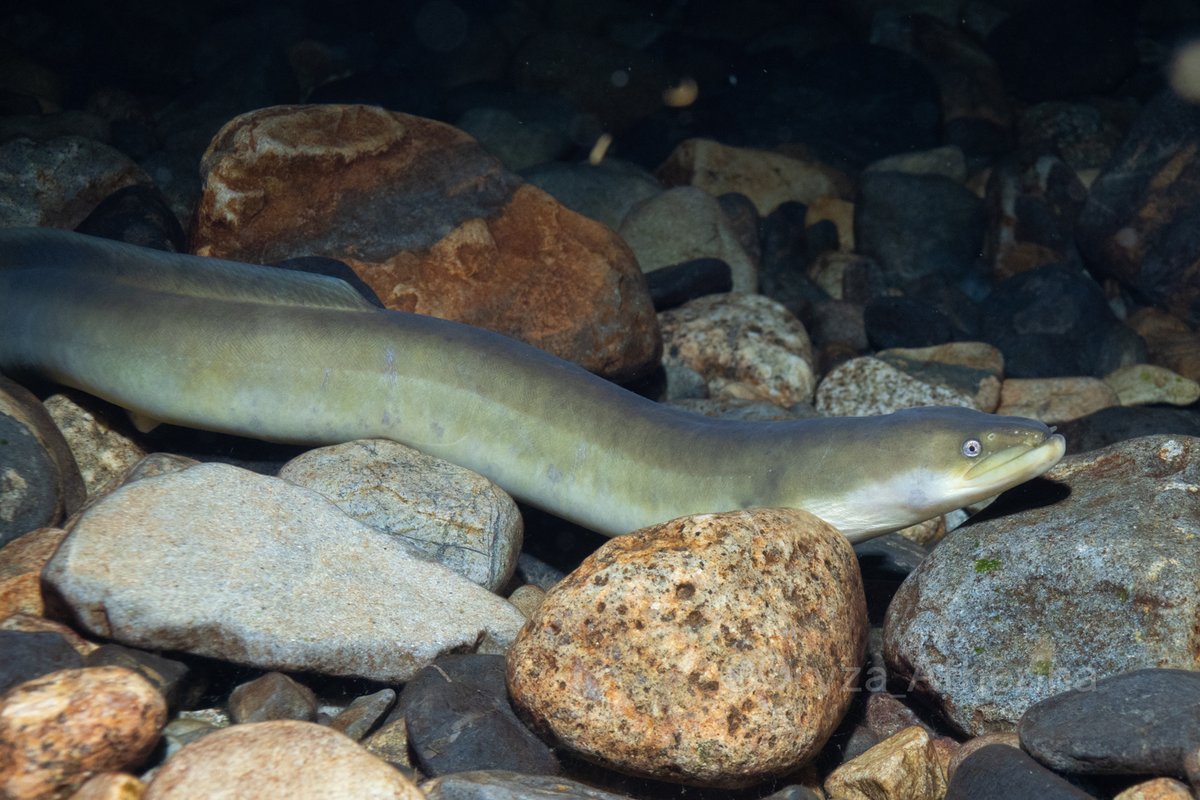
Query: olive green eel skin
(294,357)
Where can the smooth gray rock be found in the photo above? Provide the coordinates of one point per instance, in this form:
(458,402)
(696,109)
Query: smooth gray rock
(1102,576)
(218,561)
(1139,723)
(1003,773)
(444,512)
(459,719)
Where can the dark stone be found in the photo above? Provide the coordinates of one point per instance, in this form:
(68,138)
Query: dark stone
(273,696)
(918,225)
(47,485)
(499,784)
(173,679)
(32,655)
(1077,133)
(885,562)
(1002,772)
(781,273)
(1034,208)
(358,718)
(850,103)
(1052,321)
(952,302)
(1144,722)
(904,322)
(332,267)
(1118,423)
(1050,51)
(459,719)
(976,110)
(674,285)
(138,215)
(743,218)
(1141,222)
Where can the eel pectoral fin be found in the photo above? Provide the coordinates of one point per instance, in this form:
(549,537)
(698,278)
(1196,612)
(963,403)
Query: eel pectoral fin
(143,422)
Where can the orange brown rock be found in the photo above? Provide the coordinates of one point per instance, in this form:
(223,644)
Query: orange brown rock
(710,650)
(59,730)
(431,222)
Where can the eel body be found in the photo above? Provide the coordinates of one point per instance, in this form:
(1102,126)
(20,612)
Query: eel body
(293,357)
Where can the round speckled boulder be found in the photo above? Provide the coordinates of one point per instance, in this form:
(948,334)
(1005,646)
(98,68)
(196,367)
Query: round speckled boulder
(714,650)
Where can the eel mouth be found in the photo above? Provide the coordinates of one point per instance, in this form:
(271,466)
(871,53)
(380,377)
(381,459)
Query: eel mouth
(1016,464)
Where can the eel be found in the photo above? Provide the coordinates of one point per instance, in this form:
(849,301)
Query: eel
(301,358)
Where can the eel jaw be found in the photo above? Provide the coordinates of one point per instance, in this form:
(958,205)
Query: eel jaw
(1011,466)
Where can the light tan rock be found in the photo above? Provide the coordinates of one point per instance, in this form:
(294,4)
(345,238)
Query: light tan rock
(767,178)
(111,786)
(1156,789)
(58,730)
(866,386)
(272,760)
(683,224)
(103,445)
(431,222)
(259,571)
(1170,342)
(1144,384)
(527,598)
(838,211)
(905,766)
(709,650)
(1054,400)
(442,511)
(745,346)
(977,355)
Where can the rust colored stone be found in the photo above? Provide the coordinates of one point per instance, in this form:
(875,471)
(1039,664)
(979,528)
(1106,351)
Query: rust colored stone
(713,650)
(431,222)
(58,730)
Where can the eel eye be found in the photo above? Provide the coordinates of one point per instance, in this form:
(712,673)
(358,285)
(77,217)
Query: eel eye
(971,448)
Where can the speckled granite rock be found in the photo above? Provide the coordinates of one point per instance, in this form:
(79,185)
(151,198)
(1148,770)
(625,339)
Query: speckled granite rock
(56,183)
(746,347)
(259,571)
(476,245)
(103,446)
(1156,789)
(705,616)
(867,386)
(58,730)
(443,512)
(269,760)
(1100,576)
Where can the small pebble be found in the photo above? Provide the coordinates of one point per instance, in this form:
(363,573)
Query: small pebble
(273,696)
(905,766)
(272,760)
